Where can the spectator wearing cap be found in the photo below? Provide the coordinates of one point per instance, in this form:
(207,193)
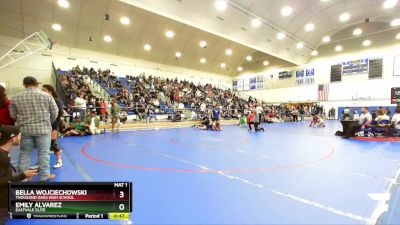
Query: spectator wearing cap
(9,136)
(34,111)
(5,118)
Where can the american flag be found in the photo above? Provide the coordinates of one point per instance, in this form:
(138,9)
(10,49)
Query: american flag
(323,92)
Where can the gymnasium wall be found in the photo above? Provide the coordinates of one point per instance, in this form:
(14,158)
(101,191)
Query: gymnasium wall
(366,91)
(65,58)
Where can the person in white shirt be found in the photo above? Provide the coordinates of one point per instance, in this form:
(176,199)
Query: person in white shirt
(365,118)
(181,105)
(346,114)
(193,115)
(80,104)
(203,107)
(396,119)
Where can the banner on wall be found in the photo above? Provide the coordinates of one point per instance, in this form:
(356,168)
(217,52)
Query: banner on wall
(235,85)
(396,66)
(246,84)
(253,83)
(355,67)
(309,76)
(260,82)
(240,85)
(285,74)
(299,77)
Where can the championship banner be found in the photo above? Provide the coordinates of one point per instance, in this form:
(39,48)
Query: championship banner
(309,76)
(300,77)
(260,82)
(240,85)
(234,85)
(253,83)
(246,84)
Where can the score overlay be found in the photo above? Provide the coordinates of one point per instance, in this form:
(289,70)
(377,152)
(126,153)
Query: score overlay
(70,200)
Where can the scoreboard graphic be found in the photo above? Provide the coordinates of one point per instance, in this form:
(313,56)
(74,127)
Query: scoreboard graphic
(66,200)
(395,95)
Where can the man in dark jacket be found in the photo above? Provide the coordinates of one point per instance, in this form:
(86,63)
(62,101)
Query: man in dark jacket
(9,136)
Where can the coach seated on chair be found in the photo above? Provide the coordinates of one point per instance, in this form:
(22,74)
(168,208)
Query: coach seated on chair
(363,122)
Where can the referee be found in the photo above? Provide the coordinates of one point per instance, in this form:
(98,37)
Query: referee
(9,136)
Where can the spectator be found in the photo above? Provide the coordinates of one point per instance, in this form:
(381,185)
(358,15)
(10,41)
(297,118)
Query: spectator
(34,112)
(5,118)
(395,122)
(346,114)
(381,116)
(115,110)
(9,136)
(80,105)
(356,116)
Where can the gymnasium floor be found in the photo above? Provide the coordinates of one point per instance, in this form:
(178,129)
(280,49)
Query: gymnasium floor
(290,174)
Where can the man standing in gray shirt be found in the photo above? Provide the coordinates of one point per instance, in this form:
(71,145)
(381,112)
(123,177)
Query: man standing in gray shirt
(34,112)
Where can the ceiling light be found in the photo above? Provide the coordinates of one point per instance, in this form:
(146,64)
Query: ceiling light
(203,44)
(344,17)
(357,31)
(314,53)
(63,3)
(202,60)
(266,63)
(338,48)
(398,36)
(286,11)
(240,68)
(124,20)
(326,39)
(249,58)
(178,54)
(255,22)
(223,65)
(107,38)
(388,4)
(324,0)
(300,45)
(220,5)
(367,43)
(147,47)
(309,27)
(395,22)
(280,36)
(170,34)
(56,27)
(228,51)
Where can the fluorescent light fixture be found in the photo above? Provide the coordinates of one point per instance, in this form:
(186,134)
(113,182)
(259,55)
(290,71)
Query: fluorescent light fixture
(309,27)
(265,63)
(338,48)
(344,17)
(107,38)
(281,36)
(56,27)
(326,39)
(170,34)
(255,22)
(314,53)
(300,45)
(220,5)
(63,3)
(228,51)
(223,65)
(147,47)
(203,60)
(124,20)
(178,54)
(357,31)
(388,4)
(366,43)
(286,11)
(249,58)
(203,44)
(395,22)
(240,69)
